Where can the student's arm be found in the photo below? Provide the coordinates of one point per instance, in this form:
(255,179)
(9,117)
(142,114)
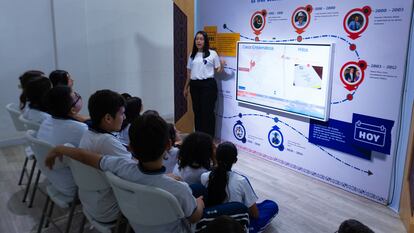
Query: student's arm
(198,213)
(254,211)
(83,156)
(187,83)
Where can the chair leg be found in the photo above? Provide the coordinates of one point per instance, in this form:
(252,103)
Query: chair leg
(49,214)
(72,211)
(29,181)
(23,171)
(34,189)
(42,219)
(82,225)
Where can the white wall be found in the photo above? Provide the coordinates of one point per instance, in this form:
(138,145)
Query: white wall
(26,40)
(126,46)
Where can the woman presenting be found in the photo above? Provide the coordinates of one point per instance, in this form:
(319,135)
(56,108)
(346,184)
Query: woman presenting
(202,64)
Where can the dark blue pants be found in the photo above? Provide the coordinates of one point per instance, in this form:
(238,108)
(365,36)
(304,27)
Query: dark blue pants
(267,211)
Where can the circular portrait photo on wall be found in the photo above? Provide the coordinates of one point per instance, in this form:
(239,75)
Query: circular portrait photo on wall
(352,74)
(355,22)
(257,21)
(301,18)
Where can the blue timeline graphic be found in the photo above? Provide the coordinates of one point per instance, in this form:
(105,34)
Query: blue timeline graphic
(349,97)
(276,139)
(360,65)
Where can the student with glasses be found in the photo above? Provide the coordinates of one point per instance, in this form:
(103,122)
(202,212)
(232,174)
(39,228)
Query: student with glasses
(61,128)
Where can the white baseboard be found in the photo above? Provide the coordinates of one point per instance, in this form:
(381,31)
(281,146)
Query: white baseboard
(12,141)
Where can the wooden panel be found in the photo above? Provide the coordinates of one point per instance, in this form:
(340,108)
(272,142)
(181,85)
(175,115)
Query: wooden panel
(406,203)
(185,123)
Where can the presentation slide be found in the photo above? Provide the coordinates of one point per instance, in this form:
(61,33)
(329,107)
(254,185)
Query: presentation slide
(293,78)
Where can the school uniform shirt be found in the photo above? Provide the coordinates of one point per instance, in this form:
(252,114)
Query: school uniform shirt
(238,188)
(129,170)
(203,68)
(35,115)
(170,159)
(123,135)
(188,174)
(101,205)
(58,132)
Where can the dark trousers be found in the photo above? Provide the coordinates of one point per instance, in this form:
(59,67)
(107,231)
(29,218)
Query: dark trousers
(204,96)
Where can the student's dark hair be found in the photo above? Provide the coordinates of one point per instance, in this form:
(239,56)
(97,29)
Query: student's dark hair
(148,136)
(353,226)
(223,224)
(132,109)
(226,155)
(206,48)
(59,77)
(59,101)
(36,91)
(196,151)
(172,135)
(126,95)
(151,112)
(104,102)
(24,79)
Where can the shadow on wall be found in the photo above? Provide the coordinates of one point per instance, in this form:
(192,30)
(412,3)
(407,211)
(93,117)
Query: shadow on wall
(225,76)
(155,70)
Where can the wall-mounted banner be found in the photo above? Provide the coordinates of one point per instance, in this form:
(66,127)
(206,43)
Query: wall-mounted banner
(353,145)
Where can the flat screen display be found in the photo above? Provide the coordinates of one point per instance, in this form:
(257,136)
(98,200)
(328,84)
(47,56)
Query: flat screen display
(293,78)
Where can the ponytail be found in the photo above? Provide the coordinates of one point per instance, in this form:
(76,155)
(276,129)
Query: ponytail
(226,154)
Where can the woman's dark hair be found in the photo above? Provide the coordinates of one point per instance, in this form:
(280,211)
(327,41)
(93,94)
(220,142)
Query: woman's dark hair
(206,48)
(59,101)
(196,151)
(148,136)
(59,77)
(226,155)
(36,91)
(132,110)
(24,79)
(104,102)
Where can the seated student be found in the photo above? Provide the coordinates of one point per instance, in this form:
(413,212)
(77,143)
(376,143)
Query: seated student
(171,154)
(195,157)
(35,92)
(149,137)
(106,109)
(24,79)
(61,77)
(62,128)
(224,185)
(133,109)
(353,226)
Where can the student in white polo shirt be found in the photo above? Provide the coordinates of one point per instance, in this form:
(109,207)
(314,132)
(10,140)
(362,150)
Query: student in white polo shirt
(224,185)
(202,64)
(149,138)
(61,128)
(35,92)
(195,157)
(106,109)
